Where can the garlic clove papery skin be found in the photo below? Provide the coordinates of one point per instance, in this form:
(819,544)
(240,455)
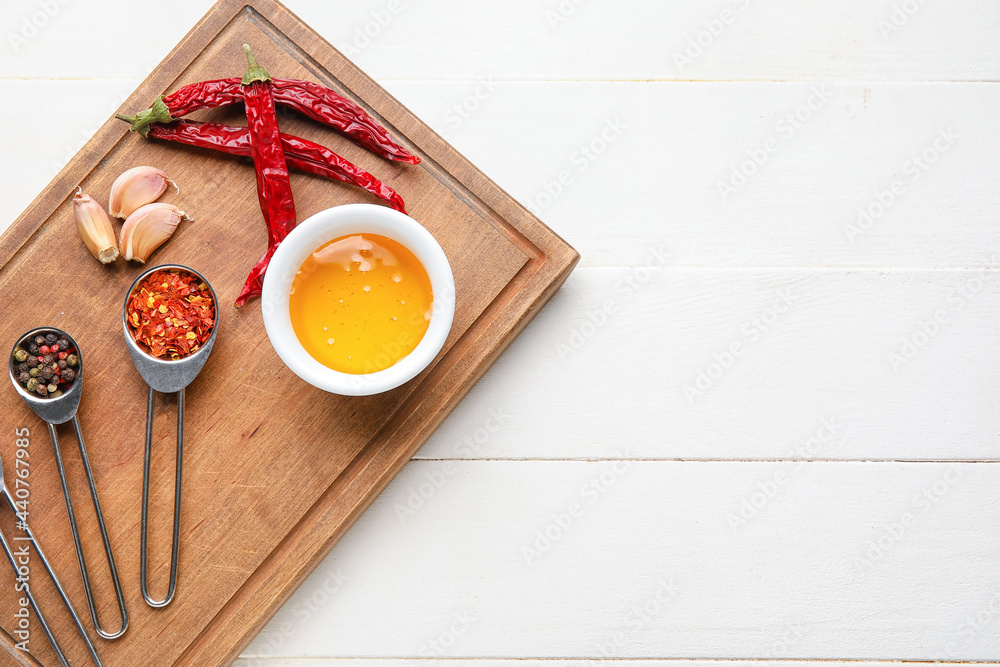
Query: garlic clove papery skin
(135,188)
(147,229)
(94,226)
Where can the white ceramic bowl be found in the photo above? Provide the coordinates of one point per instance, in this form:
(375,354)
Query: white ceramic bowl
(326,226)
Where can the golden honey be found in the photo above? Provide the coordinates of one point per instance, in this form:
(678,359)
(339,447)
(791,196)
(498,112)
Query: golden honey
(360,303)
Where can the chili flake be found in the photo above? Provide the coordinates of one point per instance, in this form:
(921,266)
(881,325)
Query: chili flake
(171,313)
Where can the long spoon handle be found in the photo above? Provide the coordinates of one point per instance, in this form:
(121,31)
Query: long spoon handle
(143,570)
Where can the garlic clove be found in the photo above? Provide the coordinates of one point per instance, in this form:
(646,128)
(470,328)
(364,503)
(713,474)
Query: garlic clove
(147,229)
(94,226)
(136,188)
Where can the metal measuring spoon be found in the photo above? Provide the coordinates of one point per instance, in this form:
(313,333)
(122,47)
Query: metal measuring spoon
(23,524)
(59,410)
(165,376)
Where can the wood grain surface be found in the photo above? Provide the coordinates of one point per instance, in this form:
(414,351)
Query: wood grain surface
(275,471)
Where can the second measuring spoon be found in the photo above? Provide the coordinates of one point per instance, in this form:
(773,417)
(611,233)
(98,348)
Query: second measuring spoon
(58,408)
(20,571)
(165,375)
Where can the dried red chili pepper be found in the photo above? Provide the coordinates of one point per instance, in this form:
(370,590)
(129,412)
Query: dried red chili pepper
(254,285)
(274,190)
(300,154)
(171,313)
(273,187)
(266,143)
(328,107)
(310,99)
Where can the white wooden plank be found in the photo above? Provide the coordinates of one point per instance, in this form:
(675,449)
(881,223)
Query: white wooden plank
(646,564)
(617,166)
(657,181)
(640,39)
(639,363)
(557,39)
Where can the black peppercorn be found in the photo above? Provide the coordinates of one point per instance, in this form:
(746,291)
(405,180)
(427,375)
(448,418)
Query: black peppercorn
(48,359)
(39,340)
(32,362)
(63,344)
(23,368)
(62,364)
(33,349)
(68,375)
(46,373)
(42,390)
(51,338)
(24,377)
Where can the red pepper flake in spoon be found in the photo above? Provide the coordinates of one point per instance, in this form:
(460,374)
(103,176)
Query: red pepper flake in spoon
(171,313)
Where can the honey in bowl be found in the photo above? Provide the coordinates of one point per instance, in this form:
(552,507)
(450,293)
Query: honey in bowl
(360,303)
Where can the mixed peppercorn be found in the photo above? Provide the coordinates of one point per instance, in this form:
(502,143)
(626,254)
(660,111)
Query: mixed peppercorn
(46,365)
(171,314)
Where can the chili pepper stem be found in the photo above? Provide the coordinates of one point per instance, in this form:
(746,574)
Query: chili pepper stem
(254,72)
(141,122)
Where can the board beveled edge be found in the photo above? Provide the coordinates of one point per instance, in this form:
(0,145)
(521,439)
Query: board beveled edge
(366,476)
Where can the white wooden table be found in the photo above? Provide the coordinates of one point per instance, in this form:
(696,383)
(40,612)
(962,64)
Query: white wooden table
(762,419)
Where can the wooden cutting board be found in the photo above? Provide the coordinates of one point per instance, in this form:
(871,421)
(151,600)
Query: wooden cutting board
(275,471)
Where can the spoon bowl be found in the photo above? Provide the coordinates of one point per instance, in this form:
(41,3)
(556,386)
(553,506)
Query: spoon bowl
(60,409)
(168,376)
